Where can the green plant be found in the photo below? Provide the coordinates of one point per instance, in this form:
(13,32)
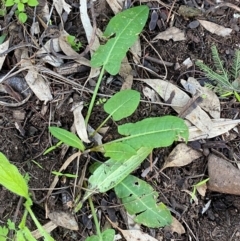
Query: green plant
(11,179)
(137,141)
(225,82)
(75,44)
(21,5)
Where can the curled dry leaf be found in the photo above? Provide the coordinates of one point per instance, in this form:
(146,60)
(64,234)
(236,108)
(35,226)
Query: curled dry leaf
(180,156)
(171,33)
(3,47)
(179,100)
(215,28)
(210,102)
(61,5)
(79,122)
(63,219)
(35,81)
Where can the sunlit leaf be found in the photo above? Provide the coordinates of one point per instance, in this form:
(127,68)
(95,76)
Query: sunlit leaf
(123,30)
(66,137)
(122,104)
(11,178)
(154,132)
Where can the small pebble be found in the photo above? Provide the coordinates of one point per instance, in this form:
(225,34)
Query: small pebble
(193,24)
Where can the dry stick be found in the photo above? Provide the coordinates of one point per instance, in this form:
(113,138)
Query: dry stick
(230,5)
(169,14)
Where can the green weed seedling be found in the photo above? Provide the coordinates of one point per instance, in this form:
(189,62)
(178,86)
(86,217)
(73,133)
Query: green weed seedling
(137,141)
(226,82)
(75,44)
(21,5)
(11,179)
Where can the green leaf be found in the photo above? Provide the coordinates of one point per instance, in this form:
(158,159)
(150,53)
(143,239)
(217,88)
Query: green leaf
(92,238)
(154,132)
(22,17)
(67,137)
(123,30)
(20,7)
(3,233)
(118,151)
(108,235)
(139,199)
(24,1)
(28,235)
(2,38)
(11,178)
(9,3)
(122,104)
(110,173)
(32,3)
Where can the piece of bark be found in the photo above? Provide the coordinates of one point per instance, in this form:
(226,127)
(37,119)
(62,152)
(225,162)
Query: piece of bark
(224,177)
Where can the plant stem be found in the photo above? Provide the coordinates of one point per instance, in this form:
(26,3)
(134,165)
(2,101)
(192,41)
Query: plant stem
(94,96)
(39,226)
(95,219)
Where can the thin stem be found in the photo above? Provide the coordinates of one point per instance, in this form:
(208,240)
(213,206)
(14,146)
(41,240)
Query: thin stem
(94,96)
(95,219)
(39,226)
(103,123)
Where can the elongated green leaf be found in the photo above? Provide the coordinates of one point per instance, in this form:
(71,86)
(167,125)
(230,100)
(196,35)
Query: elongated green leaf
(67,137)
(107,235)
(110,173)
(11,178)
(119,151)
(139,199)
(122,104)
(124,29)
(154,132)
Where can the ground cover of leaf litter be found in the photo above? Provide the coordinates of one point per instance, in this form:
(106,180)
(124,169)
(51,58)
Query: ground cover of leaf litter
(173,39)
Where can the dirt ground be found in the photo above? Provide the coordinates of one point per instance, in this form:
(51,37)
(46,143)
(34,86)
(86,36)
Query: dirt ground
(24,130)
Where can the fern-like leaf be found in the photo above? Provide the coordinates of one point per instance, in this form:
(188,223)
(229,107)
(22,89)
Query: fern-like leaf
(235,71)
(217,78)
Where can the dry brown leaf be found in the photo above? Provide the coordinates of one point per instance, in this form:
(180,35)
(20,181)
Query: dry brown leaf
(126,73)
(215,28)
(210,102)
(46,47)
(115,5)
(180,156)
(136,235)
(171,33)
(61,5)
(67,49)
(219,127)
(176,227)
(3,47)
(136,51)
(49,227)
(63,219)
(79,122)
(150,94)
(179,99)
(36,82)
(202,189)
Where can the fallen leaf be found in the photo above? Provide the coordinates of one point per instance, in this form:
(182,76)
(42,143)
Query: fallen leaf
(180,156)
(36,82)
(215,28)
(79,122)
(171,33)
(219,127)
(150,94)
(202,189)
(63,219)
(179,99)
(46,47)
(136,235)
(52,60)
(136,51)
(210,102)
(126,73)
(115,5)
(3,47)
(61,5)
(176,227)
